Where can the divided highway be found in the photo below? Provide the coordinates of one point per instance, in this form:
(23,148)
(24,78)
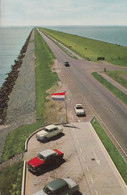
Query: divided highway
(111,111)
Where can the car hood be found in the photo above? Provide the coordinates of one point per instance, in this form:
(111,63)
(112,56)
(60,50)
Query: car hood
(35,162)
(70,182)
(42,133)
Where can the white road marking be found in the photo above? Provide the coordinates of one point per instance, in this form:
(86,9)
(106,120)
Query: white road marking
(95,92)
(77,142)
(97,160)
(80,150)
(78,120)
(67,172)
(112,111)
(96,192)
(87,168)
(84,159)
(91,180)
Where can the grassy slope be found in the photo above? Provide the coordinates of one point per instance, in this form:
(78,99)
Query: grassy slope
(91,49)
(119,94)
(10,179)
(116,76)
(114,154)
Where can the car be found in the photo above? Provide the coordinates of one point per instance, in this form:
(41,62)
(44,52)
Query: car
(79,110)
(66,64)
(59,186)
(48,132)
(44,159)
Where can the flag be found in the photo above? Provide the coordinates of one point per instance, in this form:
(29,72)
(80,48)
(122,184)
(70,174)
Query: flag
(58,96)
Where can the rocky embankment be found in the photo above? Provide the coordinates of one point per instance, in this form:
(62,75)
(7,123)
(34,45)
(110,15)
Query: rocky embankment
(9,83)
(17,95)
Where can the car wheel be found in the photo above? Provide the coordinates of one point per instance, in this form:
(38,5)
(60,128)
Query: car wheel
(45,139)
(57,161)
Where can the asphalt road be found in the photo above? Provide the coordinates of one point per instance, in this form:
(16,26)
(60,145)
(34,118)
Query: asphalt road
(87,164)
(111,111)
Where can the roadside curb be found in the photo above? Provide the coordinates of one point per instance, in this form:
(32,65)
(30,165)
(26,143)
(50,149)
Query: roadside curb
(26,148)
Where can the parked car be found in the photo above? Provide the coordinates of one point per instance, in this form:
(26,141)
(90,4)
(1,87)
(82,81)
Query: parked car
(48,132)
(66,64)
(43,159)
(79,110)
(59,187)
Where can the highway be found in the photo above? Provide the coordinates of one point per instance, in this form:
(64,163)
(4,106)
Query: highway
(108,108)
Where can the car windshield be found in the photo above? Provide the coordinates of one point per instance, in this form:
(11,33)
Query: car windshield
(47,130)
(47,190)
(41,157)
(79,107)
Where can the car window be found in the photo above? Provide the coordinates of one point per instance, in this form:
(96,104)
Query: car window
(46,130)
(51,156)
(79,107)
(47,190)
(55,128)
(40,156)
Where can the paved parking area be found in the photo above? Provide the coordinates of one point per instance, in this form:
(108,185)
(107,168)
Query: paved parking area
(86,162)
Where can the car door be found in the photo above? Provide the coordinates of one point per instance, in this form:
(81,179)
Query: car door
(51,133)
(56,131)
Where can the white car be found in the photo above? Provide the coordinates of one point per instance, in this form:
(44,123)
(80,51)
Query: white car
(48,132)
(79,110)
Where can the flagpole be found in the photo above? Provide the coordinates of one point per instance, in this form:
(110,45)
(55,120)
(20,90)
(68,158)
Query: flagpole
(65,107)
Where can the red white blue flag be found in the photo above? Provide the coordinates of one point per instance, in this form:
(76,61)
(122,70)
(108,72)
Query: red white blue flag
(58,96)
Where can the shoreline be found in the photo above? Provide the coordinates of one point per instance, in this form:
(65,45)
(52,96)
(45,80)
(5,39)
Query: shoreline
(9,82)
(21,102)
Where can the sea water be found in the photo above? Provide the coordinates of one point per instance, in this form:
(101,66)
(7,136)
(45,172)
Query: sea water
(110,34)
(11,41)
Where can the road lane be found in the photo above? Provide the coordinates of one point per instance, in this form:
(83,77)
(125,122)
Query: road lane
(102,101)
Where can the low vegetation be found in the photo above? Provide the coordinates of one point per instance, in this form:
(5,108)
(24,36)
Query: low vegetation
(111,149)
(91,49)
(119,76)
(119,94)
(10,179)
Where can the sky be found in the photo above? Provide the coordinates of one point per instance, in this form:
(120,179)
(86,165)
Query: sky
(63,12)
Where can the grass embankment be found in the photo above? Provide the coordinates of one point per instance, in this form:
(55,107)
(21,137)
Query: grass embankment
(118,76)
(10,178)
(119,94)
(91,49)
(111,149)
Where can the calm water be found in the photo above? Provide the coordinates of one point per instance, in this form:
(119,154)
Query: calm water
(111,34)
(11,42)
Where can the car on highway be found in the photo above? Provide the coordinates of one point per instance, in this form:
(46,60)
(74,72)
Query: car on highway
(79,110)
(59,186)
(66,64)
(44,159)
(48,132)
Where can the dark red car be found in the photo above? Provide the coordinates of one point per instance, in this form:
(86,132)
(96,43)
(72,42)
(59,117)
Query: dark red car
(43,159)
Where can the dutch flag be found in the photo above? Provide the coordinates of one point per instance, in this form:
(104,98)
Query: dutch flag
(58,96)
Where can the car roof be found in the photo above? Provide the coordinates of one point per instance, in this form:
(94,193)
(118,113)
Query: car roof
(47,152)
(49,127)
(56,184)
